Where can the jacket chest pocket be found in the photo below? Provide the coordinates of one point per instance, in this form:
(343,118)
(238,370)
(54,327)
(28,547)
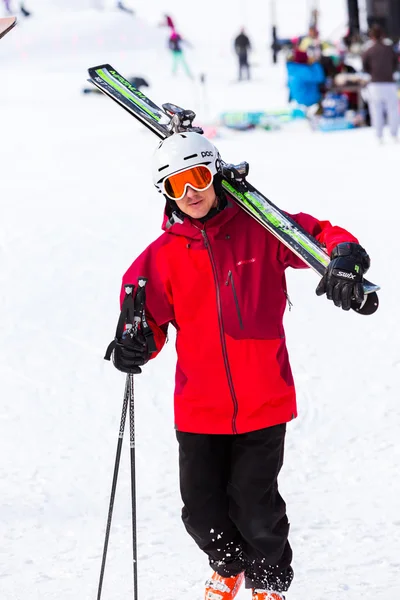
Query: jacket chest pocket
(230,282)
(252,303)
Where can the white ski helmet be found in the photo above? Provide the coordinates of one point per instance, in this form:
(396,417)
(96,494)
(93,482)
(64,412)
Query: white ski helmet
(181,151)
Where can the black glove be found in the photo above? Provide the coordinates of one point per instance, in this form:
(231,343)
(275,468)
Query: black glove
(342,281)
(130,353)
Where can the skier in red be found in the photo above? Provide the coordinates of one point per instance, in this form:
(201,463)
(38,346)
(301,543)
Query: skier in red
(218,277)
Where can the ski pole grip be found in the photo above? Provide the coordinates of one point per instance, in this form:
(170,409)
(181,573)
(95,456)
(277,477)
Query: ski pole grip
(146,329)
(125,319)
(138,305)
(127,308)
(126,316)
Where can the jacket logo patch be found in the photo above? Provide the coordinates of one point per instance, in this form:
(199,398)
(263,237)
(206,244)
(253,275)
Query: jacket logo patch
(245,262)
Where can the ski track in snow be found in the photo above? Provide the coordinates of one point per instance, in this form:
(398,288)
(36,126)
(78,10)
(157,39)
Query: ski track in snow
(77,207)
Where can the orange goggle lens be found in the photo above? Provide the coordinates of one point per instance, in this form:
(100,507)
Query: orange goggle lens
(199,178)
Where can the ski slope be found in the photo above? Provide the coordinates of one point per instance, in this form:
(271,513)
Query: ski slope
(77,206)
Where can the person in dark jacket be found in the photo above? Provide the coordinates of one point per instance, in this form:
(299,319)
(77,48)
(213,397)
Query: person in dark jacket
(218,277)
(242,47)
(380,62)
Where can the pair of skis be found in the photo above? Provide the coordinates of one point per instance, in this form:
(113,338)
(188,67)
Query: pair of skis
(170,119)
(6,24)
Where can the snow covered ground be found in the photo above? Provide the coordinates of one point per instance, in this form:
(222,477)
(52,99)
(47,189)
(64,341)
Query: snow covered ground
(77,206)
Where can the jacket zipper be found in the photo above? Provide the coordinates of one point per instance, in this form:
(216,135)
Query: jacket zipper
(230,280)
(221,331)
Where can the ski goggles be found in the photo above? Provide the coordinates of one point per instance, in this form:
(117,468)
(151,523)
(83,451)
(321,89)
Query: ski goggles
(199,178)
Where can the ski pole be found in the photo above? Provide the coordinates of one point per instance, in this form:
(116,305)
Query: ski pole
(125,319)
(133,481)
(139,318)
(132,316)
(114,485)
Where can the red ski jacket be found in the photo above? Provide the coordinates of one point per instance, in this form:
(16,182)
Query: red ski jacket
(222,285)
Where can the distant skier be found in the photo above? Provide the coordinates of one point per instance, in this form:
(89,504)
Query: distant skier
(7,4)
(178,58)
(99,5)
(242,47)
(219,279)
(124,8)
(22,9)
(175,42)
(381,62)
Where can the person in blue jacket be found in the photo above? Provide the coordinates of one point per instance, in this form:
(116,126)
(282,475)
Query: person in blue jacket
(304,79)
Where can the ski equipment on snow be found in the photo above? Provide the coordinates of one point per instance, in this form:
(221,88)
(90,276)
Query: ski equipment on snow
(125,403)
(6,24)
(171,119)
(124,8)
(23,10)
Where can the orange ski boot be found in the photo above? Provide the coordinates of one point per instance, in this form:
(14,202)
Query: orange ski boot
(223,588)
(267,595)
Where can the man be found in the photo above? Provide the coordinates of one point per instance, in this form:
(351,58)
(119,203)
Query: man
(380,62)
(242,46)
(218,277)
(311,44)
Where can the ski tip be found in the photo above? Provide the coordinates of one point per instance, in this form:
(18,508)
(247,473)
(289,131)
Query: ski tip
(105,66)
(6,24)
(8,21)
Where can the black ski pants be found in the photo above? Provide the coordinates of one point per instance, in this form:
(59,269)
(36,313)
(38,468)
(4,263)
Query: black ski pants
(243,66)
(232,507)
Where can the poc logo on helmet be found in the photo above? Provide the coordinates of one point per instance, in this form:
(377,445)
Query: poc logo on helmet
(206,153)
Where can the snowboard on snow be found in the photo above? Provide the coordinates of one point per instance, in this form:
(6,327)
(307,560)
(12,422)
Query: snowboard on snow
(169,119)
(6,24)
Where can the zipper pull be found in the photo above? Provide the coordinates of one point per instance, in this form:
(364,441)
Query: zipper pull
(205,239)
(228,278)
(290,303)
